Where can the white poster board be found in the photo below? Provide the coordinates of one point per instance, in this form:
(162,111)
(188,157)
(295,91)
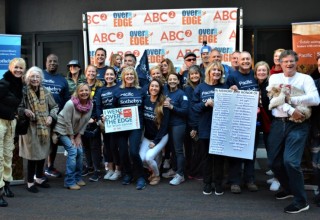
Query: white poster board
(233,125)
(121,119)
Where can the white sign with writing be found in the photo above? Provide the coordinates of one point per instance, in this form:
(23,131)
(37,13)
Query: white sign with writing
(121,119)
(233,124)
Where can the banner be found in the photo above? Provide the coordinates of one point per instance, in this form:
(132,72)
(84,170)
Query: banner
(167,33)
(233,125)
(121,119)
(306,42)
(10,47)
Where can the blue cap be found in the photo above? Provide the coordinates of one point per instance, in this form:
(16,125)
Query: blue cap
(205,49)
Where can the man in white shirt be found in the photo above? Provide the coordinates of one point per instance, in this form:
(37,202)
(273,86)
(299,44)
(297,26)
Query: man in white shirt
(287,139)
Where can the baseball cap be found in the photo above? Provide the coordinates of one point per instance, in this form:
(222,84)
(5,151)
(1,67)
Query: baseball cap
(189,54)
(74,63)
(205,49)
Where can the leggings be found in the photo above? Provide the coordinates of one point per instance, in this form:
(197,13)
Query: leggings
(35,167)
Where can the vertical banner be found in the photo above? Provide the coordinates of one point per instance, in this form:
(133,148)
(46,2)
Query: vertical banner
(306,42)
(168,33)
(234,121)
(10,47)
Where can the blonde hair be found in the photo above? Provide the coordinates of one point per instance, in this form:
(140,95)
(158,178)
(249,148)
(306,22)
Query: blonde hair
(209,68)
(90,65)
(261,63)
(76,92)
(113,59)
(14,61)
(31,70)
(129,69)
(278,50)
(162,79)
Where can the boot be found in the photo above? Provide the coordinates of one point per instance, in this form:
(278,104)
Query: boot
(6,190)
(3,203)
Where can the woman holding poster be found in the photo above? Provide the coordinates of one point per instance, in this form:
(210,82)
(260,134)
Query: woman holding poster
(156,119)
(203,105)
(71,124)
(130,94)
(104,100)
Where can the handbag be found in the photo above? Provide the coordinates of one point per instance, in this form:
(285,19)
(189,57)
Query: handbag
(92,130)
(22,125)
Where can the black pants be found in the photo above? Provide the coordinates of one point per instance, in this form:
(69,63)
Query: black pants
(35,167)
(92,150)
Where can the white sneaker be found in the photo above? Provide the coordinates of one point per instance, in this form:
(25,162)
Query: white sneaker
(116,175)
(108,175)
(275,185)
(65,153)
(177,180)
(170,173)
(269,173)
(270,181)
(166,164)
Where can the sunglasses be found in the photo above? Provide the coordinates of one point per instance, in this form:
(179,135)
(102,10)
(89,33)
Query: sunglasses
(73,65)
(189,60)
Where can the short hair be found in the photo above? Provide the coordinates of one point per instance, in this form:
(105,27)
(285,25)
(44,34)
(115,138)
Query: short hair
(128,70)
(31,70)
(131,55)
(261,63)
(210,67)
(101,48)
(76,92)
(14,61)
(286,53)
(193,68)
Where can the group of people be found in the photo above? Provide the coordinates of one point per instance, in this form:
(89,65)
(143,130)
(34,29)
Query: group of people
(175,111)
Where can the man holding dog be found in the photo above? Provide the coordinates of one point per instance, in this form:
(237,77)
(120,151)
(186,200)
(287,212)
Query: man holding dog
(287,139)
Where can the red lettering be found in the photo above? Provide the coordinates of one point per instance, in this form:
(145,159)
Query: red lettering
(233,35)
(156,17)
(226,15)
(209,38)
(191,20)
(122,22)
(93,19)
(104,37)
(155,58)
(139,41)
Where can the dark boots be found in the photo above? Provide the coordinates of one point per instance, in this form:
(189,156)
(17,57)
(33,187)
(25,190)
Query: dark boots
(3,203)
(6,190)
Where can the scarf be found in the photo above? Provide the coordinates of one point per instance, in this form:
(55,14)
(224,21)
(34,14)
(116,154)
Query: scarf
(79,107)
(39,108)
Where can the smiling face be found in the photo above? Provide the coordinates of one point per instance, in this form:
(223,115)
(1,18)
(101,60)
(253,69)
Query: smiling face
(35,79)
(173,81)
(74,69)
(205,57)
(215,56)
(100,57)
(215,74)
(262,73)
(91,73)
(164,68)
(84,93)
(245,62)
(288,65)
(276,58)
(129,78)
(194,76)
(156,74)
(154,88)
(17,69)
(52,63)
(190,61)
(129,61)
(234,60)
(110,77)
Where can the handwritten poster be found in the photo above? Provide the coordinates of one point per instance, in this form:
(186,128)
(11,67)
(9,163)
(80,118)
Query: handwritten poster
(234,123)
(121,119)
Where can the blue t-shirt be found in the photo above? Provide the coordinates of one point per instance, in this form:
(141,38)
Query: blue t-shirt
(104,99)
(58,86)
(202,93)
(152,132)
(243,81)
(100,74)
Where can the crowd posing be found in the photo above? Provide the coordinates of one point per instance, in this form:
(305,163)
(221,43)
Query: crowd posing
(175,110)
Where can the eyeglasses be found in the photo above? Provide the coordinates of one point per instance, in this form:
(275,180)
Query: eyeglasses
(189,60)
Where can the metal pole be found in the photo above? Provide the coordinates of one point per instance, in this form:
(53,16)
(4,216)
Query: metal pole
(85,40)
(241,30)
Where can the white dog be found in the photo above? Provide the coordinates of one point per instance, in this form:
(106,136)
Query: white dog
(278,93)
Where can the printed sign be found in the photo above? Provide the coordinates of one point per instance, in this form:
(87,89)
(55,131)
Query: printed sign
(233,124)
(168,33)
(10,47)
(121,119)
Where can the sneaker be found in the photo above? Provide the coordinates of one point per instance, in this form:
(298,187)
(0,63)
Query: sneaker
(44,178)
(169,174)
(87,170)
(235,189)
(252,187)
(95,177)
(155,180)
(141,183)
(81,183)
(127,179)
(116,175)
(74,187)
(269,173)
(108,174)
(269,181)
(207,189)
(294,209)
(177,180)
(283,195)
(52,172)
(166,164)
(218,190)
(275,185)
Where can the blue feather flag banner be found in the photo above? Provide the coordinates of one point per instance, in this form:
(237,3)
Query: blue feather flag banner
(143,70)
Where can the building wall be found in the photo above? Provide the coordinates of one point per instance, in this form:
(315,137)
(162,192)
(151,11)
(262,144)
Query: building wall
(2,17)
(47,15)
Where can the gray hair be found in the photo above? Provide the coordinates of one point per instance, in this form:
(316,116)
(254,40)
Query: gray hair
(31,70)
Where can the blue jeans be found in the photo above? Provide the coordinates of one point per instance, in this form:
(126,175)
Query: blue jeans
(176,139)
(286,144)
(74,162)
(134,137)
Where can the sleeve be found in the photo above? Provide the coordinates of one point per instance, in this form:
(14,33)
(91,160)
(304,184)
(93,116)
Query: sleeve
(230,81)
(53,107)
(163,130)
(4,88)
(66,94)
(22,106)
(197,105)
(182,110)
(68,110)
(98,108)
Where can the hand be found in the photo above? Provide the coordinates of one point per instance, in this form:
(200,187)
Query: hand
(91,120)
(151,145)
(167,103)
(29,113)
(297,115)
(209,103)
(234,88)
(183,68)
(49,121)
(193,133)
(77,141)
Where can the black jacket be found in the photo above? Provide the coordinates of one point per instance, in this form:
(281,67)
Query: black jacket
(10,95)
